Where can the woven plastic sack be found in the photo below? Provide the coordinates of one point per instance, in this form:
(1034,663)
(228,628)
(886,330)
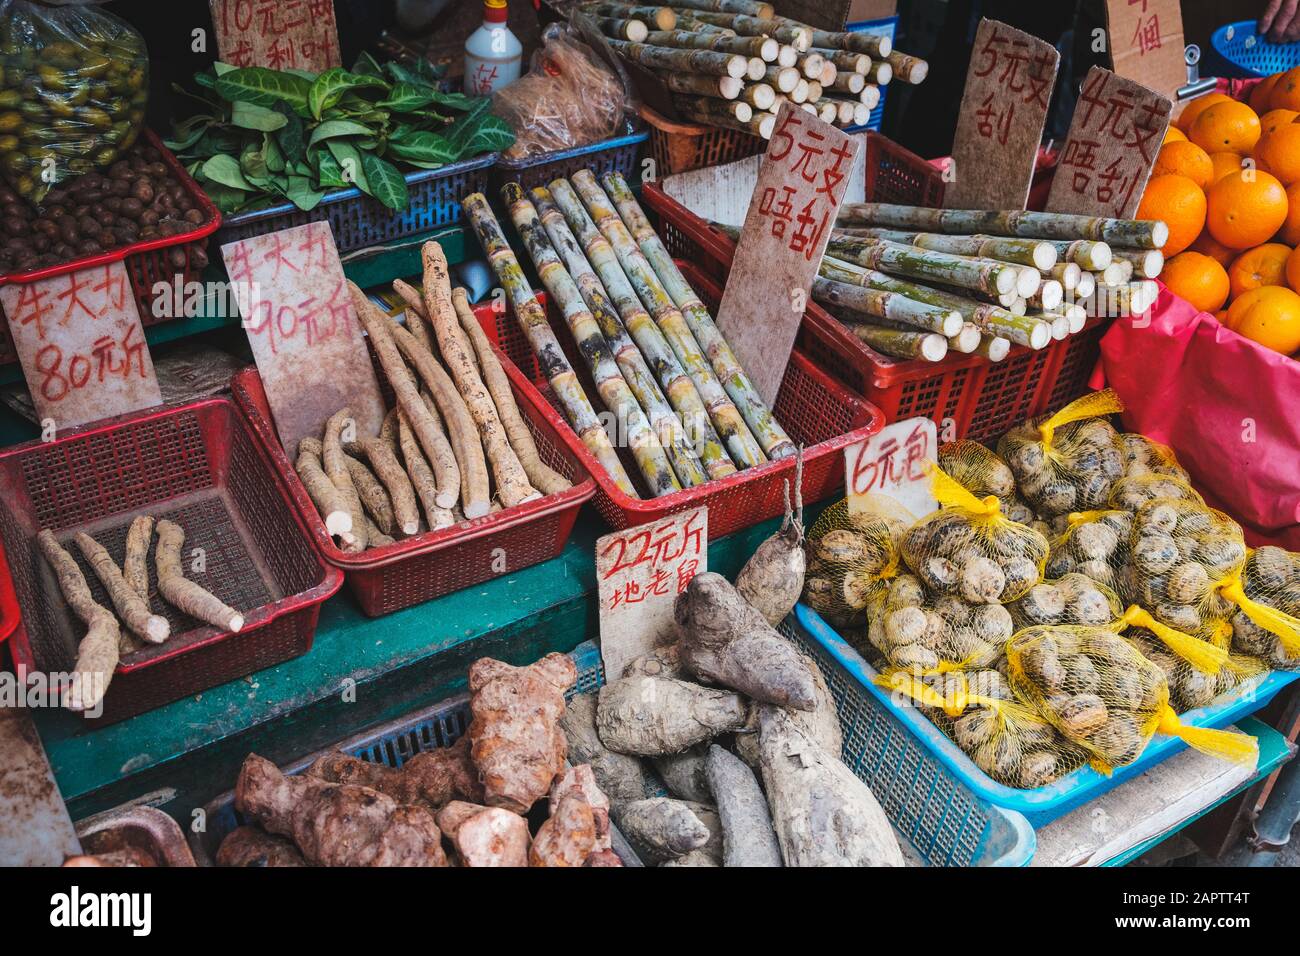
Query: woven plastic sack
(1133,491)
(1073,598)
(851,559)
(1067,461)
(1094,543)
(971,549)
(75,86)
(1003,736)
(1270,577)
(926,634)
(1191,687)
(1102,694)
(1142,456)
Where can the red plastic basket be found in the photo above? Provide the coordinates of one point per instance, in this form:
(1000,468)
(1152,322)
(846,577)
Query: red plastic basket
(9,613)
(816,411)
(680,147)
(146,261)
(429,565)
(200,465)
(966,395)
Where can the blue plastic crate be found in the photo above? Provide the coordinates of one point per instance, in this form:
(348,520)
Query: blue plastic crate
(944,820)
(886,27)
(358,221)
(1043,804)
(1239,51)
(617,154)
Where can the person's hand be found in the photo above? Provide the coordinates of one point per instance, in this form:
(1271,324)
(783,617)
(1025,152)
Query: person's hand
(1280,21)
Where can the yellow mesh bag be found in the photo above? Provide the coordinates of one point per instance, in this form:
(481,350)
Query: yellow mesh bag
(971,549)
(1271,579)
(1103,695)
(851,558)
(977,469)
(924,634)
(1142,456)
(1073,598)
(1068,461)
(1003,736)
(1094,543)
(1133,491)
(1190,686)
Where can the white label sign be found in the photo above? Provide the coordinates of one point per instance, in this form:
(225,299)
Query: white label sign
(639,573)
(888,473)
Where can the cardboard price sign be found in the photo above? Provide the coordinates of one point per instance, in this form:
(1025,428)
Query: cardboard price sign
(1008,88)
(888,474)
(81,345)
(639,573)
(277,34)
(1146,43)
(791,214)
(1114,137)
(304,331)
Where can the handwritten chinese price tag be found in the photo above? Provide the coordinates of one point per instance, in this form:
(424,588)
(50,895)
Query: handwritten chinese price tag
(277,34)
(304,331)
(79,339)
(1113,141)
(888,473)
(1008,87)
(639,573)
(791,214)
(1146,43)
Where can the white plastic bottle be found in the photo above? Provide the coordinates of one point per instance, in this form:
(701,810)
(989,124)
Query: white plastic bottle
(493,55)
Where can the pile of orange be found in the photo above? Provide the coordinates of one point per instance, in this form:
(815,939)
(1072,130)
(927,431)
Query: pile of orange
(1227,182)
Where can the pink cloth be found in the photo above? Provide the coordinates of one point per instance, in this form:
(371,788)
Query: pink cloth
(1229,407)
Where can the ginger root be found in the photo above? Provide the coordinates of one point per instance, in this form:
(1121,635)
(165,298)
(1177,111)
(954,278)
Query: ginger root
(133,609)
(485,836)
(183,594)
(97,654)
(431,777)
(567,837)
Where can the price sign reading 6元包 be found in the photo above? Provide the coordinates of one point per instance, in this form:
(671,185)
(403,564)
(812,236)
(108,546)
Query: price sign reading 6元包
(639,573)
(889,473)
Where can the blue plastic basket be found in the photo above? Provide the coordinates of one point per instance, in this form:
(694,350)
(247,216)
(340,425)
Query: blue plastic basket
(1239,51)
(617,154)
(1044,804)
(946,823)
(358,221)
(885,27)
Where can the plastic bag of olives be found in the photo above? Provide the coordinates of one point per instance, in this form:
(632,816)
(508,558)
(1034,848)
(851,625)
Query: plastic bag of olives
(1271,580)
(851,558)
(74,82)
(1098,690)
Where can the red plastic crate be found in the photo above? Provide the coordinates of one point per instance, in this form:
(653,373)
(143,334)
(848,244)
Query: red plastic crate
(9,613)
(815,411)
(200,465)
(680,147)
(413,570)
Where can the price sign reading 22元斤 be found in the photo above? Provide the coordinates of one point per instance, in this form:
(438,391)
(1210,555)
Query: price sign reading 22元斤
(889,473)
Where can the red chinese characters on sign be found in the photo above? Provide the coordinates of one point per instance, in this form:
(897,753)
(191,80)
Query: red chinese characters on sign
(889,473)
(1146,35)
(277,34)
(800,213)
(1023,74)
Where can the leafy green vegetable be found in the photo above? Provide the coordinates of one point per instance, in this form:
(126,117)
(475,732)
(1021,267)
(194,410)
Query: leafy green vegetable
(332,128)
(263,87)
(330,86)
(251,116)
(386,182)
(225,170)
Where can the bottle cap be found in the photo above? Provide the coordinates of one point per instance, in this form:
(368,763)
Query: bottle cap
(494,11)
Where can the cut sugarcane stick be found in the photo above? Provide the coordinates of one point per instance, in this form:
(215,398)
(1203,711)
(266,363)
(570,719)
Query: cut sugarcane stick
(619,29)
(827,111)
(861,114)
(760,124)
(846,61)
(1112,275)
(759,95)
(828,75)
(745,451)
(810,65)
(880,72)
(795,34)
(808,108)
(1147,263)
(1066,273)
(764,48)
(849,83)
(905,345)
(787,56)
(814,91)
(1016,305)
(713,109)
(908,69)
(651,459)
(762,423)
(1026,252)
(1048,297)
(719,87)
(967,339)
(982,275)
(1029,282)
(662,18)
(1091,256)
(1075,314)
(676,444)
(989,317)
(757,69)
(800,92)
(753,8)
(875,46)
(870,96)
(864,302)
(993,347)
(843,111)
(782,78)
(1137,233)
(705,62)
(1057,324)
(550,356)
(677,385)
(1086,286)
(1119,271)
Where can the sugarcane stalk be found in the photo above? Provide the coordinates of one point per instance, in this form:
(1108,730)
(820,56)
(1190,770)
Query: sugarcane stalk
(1066,273)
(904,345)
(1137,233)
(1089,255)
(908,69)
(745,451)
(687,22)
(814,91)
(876,47)
(719,87)
(1057,323)
(773,439)
(707,62)
(677,386)
(841,111)
(790,32)
(1086,286)
(663,18)
(714,109)
(760,124)
(861,114)
(1147,263)
(676,444)
(1028,252)
(757,69)
(765,48)
(613,389)
(870,96)
(1119,271)
(550,356)
(827,111)
(620,29)
(993,347)
(800,92)
(829,72)
(753,8)
(850,83)
(782,78)
(982,275)
(1048,297)
(884,304)
(759,95)
(846,61)
(1075,314)
(810,65)
(787,55)
(880,72)
(967,339)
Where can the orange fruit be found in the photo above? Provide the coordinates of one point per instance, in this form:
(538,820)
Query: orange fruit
(1286,91)
(1274,120)
(1186,159)
(1196,106)
(1293,271)
(1173,135)
(1269,315)
(1261,96)
(1290,231)
(1245,210)
(1263,265)
(1224,164)
(1207,245)
(1229,126)
(1198,279)
(1222,316)
(1180,203)
(1279,153)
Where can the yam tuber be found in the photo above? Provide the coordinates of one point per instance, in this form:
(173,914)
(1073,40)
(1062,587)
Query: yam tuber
(423,480)
(133,609)
(822,723)
(684,774)
(431,777)
(772,579)
(727,641)
(337,824)
(97,654)
(663,661)
(651,716)
(567,837)
(253,846)
(397,483)
(515,737)
(823,814)
(135,566)
(747,833)
(182,593)
(662,829)
(336,469)
(329,501)
(373,495)
(623,778)
(485,836)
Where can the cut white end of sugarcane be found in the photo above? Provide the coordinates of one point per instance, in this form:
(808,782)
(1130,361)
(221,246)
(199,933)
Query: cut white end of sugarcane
(1126,268)
(808,108)
(1076,315)
(800,92)
(1147,263)
(787,56)
(742,111)
(829,73)
(934,347)
(1045,256)
(1145,293)
(1007,282)
(766,125)
(1059,325)
(1085,286)
(827,111)
(886,45)
(757,68)
(1018,306)
(1160,234)
(738,66)
(882,73)
(1028,281)
(814,91)
(812,65)
(760,96)
(769,50)
(1066,273)
(1040,335)
(1049,295)
(966,340)
(861,114)
(870,96)
(845,111)
(1007,299)
(730,86)
(1113,274)
(851,83)
(994,347)
(635,30)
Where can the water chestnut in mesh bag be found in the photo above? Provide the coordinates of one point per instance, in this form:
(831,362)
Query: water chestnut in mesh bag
(1270,578)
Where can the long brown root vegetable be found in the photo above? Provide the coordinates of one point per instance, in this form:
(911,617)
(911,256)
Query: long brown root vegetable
(727,641)
(133,609)
(485,836)
(249,846)
(396,482)
(182,593)
(423,479)
(417,320)
(336,469)
(772,579)
(515,736)
(621,777)
(373,495)
(337,824)
(650,716)
(329,501)
(662,829)
(567,837)
(135,566)
(823,814)
(97,654)
(748,836)
(821,724)
(374,537)
(431,777)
